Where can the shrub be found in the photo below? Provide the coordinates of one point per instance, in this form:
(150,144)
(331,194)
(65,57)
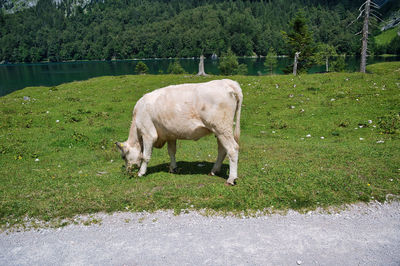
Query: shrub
(339,65)
(229,64)
(389,123)
(141,68)
(175,68)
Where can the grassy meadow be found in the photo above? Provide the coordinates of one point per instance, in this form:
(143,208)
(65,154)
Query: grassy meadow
(307,141)
(386,37)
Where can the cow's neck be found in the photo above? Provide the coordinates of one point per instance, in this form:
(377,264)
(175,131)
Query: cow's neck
(133,138)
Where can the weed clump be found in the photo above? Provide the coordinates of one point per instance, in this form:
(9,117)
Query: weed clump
(389,123)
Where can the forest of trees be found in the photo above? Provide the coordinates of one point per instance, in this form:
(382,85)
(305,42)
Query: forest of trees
(123,29)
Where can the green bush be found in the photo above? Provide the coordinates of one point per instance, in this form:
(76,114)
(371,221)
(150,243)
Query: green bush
(175,68)
(339,65)
(389,123)
(141,68)
(229,64)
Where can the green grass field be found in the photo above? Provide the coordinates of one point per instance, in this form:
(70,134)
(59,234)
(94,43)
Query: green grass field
(308,141)
(387,36)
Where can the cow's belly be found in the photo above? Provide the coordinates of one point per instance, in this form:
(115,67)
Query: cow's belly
(186,130)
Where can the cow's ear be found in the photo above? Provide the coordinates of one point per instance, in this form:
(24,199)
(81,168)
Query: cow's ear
(120,146)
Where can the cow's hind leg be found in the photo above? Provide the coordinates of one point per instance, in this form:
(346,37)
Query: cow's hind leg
(220,158)
(147,150)
(232,148)
(172,152)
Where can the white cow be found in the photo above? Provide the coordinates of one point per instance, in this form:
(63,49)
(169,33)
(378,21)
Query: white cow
(187,111)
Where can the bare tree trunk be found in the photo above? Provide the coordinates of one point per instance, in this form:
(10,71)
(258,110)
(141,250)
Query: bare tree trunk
(201,67)
(365,37)
(296,59)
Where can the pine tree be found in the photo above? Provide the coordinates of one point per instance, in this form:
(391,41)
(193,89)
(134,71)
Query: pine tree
(141,68)
(300,40)
(271,60)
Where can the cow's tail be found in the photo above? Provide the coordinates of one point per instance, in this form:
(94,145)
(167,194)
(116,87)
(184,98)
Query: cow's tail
(239,100)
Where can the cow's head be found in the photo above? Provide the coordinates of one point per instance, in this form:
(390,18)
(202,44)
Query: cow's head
(132,155)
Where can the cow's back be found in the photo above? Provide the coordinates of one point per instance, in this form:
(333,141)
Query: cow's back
(190,111)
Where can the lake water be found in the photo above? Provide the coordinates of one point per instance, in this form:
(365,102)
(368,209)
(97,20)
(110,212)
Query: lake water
(18,76)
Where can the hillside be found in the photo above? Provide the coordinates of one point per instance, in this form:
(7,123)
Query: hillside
(387,36)
(103,30)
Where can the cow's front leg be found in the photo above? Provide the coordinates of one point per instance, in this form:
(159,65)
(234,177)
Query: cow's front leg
(147,149)
(172,152)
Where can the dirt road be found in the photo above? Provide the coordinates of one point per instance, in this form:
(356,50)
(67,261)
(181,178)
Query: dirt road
(361,235)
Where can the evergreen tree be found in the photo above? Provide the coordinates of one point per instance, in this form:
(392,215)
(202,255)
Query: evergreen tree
(324,52)
(299,39)
(339,65)
(141,68)
(175,68)
(271,60)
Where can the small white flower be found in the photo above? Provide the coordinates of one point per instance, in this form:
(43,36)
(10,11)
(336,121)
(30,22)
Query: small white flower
(332,100)
(308,136)
(294,86)
(391,180)
(347,79)
(273,132)
(380,141)
(302,138)
(356,99)
(292,107)
(370,121)
(360,126)
(111,161)
(373,126)
(302,110)
(37,160)
(57,121)
(276,86)
(47,112)
(322,137)
(361,138)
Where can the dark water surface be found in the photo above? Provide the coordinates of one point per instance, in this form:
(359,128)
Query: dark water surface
(17,76)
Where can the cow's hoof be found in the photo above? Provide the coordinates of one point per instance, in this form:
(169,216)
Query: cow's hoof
(211,174)
(229,184)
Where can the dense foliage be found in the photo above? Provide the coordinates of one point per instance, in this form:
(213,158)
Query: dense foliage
(121,29)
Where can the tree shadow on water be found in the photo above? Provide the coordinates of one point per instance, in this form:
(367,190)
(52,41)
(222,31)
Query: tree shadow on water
(190,168)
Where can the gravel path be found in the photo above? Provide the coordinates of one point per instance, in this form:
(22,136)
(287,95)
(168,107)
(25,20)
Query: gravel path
(361,235)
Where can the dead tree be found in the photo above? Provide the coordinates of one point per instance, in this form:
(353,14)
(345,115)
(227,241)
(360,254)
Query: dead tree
(366,10)
(296,60)
(201,67)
